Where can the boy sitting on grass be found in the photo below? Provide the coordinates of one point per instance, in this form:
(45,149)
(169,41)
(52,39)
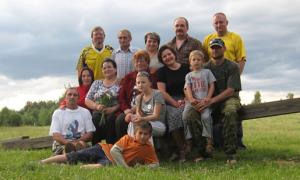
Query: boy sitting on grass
(127,152)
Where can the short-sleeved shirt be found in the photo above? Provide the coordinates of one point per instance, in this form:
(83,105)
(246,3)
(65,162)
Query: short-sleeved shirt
(93,58)
(235,48)
(71,123)
(98,88)
(124,61)
(133,151)
(147,107)
(199,82)
(227,76)
(173,79)
(186,48)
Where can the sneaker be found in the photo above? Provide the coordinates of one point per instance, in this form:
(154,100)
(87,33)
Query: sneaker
(182,156)
(69,147)
(173,157)
(198,159)
(241,146)
(231,159)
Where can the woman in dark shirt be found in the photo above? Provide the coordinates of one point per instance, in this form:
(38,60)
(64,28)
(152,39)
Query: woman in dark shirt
(171,80)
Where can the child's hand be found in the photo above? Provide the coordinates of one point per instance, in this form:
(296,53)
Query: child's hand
(128,117)
(136,118)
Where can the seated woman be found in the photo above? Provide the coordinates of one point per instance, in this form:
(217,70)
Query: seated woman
(171,80)
(128,90)
(85,80)
(102,98)
(150,106)
(152,41)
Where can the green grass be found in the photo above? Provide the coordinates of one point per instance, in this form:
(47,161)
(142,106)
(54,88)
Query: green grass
(273,153)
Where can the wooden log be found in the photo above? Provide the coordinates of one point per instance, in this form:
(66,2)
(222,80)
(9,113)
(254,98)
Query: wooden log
(270,109)
(14,139)
(33,143)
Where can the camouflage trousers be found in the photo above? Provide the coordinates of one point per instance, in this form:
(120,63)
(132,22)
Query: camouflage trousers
(225,118)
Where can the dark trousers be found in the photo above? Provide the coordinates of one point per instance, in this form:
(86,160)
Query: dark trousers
(105,132)
(121,126)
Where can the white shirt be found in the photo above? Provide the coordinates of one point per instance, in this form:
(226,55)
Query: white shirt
(71,123)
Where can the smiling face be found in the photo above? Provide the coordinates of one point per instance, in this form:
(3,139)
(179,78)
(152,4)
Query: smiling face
(151,45)
(168,57)
(108,70)
(86,78)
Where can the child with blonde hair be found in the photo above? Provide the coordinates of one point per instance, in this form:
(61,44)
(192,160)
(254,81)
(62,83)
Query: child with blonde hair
(199,87)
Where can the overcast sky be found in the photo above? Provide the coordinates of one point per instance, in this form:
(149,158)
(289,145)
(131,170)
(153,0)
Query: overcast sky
(40,40)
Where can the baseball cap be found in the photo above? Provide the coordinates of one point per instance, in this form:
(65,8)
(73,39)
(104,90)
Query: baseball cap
(217,42)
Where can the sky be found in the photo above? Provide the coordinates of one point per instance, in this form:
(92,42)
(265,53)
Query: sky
(40,40)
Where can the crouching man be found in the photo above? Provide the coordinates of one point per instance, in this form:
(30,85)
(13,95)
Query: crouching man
(71,127)
(127,152)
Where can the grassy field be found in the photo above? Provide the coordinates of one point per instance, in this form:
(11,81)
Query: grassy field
(273,153)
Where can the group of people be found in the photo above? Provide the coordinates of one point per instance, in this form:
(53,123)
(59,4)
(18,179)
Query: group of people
(185,90)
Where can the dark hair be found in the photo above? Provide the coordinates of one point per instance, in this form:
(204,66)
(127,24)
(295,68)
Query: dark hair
(145,125)
(162,49)
(80,74)
(109,60)
(152,35)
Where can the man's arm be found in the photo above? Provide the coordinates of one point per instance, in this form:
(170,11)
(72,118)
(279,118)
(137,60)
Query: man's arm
(60,138)
(116,153)
(86,137)
(242,65)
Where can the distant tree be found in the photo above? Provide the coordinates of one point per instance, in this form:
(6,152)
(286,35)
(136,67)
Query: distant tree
(10,117)
(290,96)
(257,98)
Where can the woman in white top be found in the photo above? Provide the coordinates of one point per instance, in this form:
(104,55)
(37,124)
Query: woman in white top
(152,41)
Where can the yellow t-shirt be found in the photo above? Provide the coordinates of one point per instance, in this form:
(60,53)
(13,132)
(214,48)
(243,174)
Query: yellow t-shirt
(93,59)
(235,48)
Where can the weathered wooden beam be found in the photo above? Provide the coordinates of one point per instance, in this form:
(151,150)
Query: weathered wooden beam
(270,109)
(14,139)
(33,143)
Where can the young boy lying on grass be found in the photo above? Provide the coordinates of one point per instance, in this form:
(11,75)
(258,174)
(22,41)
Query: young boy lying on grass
(127,152)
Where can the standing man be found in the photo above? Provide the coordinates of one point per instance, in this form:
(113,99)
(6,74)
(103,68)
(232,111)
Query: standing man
(235,48)
(226,102)
(123,55)
(71,127)
(182,43)
(94,54)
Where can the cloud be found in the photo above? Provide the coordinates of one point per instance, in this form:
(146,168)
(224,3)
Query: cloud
(15,93)
(42,39)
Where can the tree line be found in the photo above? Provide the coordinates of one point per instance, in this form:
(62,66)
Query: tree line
(33,113)
(40,113)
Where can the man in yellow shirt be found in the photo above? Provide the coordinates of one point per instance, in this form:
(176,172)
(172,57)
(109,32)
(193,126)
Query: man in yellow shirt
(94,54)
(235,48)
